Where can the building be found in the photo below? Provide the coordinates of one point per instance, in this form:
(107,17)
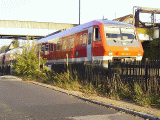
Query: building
(126,19)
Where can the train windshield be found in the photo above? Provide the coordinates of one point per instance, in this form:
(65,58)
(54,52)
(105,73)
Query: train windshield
(127,34)
(113,33)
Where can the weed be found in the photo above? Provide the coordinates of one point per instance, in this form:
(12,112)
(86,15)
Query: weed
(95,81)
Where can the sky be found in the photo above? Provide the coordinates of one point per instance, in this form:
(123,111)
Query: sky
(67,11)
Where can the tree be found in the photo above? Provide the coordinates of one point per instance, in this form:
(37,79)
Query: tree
(27,63)
(15,43)
(3,49)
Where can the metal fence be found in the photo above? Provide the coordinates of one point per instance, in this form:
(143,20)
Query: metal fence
(137,70)
(127,72)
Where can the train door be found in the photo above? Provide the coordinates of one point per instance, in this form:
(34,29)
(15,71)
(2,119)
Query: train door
(89,44)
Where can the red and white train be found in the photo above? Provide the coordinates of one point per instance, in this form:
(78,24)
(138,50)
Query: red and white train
(97,42)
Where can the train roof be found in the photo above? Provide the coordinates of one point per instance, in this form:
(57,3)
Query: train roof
(79,28)
(113,22)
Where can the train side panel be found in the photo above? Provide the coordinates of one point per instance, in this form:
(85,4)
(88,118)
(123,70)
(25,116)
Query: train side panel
(75,45)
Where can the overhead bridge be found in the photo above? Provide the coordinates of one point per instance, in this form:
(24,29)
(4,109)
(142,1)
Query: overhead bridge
(34,30)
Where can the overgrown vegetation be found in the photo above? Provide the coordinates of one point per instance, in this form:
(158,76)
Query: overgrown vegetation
(151,47)
(15,43)
(94,84)
(27,63)
(87,80)
(146,31)
(5,48)
(113,88)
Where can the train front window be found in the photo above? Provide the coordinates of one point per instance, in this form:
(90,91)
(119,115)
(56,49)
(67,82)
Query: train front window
(128,34)
(117,33)
(43,48)
(112,33)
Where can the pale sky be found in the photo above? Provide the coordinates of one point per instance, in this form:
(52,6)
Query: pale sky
(67,11)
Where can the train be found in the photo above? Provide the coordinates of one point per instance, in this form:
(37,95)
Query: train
(96,42)
(6,59)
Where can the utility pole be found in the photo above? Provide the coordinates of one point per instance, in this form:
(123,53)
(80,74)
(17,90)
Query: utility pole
(79,11)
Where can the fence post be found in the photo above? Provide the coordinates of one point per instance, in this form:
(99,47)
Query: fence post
(121,68)
(127,73)
(134,76)
(67,66)
(109,70)
(158,67)
(146,72)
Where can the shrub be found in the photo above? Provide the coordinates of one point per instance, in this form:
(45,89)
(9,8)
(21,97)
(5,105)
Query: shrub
(88,88)
(65,80)
(27,63)
(145,98)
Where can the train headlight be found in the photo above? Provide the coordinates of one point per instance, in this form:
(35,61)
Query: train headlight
(139,54)
(110,53)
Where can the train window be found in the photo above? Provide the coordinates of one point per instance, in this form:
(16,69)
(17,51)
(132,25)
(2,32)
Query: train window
(64,45)
(71,42)
(58,46)
(96,34)
(42,48)
(47,47)
(84,39)
(128,34)
(51,47)
(89,38)
(112,33)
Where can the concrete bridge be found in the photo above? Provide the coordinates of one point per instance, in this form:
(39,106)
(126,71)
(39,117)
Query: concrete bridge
(20,29)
